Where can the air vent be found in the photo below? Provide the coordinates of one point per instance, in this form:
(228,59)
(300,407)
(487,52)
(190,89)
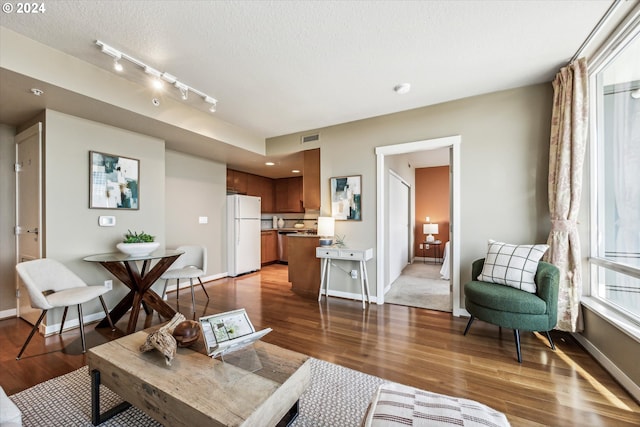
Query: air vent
(311,138)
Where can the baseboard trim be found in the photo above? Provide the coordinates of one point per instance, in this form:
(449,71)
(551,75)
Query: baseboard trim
(632,388)
(54,328)
(350,295)
(5,314)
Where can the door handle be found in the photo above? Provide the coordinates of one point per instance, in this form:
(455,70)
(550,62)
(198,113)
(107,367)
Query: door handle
(18,229)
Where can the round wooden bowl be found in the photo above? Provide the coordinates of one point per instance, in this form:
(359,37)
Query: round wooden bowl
(186,333)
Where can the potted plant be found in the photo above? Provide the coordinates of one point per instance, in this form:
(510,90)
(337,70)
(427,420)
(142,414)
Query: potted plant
(137,244)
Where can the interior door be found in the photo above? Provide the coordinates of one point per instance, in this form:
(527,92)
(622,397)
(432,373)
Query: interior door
(398,226)
(28,208)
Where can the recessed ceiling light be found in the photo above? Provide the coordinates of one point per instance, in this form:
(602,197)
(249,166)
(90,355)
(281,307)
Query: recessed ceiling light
(36,91)
(269,163)
(295,171)
(402,88)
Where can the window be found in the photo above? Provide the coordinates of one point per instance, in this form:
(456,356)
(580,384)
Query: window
(615,175)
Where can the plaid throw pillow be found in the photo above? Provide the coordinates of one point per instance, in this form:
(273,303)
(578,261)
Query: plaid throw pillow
(512,265)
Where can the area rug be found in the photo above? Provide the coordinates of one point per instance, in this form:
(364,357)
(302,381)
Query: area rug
(420,285)
(337,396)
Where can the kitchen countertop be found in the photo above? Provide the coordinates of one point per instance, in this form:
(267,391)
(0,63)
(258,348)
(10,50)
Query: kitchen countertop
(301,230)
(302,235)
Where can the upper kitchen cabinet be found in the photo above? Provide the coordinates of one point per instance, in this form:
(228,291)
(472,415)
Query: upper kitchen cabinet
(288,194)
(311,180)
(237,181)
(262,187)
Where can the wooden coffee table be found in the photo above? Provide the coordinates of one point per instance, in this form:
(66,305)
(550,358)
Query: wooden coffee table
(257,386)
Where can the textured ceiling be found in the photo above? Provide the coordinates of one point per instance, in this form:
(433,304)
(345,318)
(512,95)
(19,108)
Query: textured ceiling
(288,66)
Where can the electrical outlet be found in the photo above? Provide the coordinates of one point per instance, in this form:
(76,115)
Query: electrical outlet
(108,284)
(354,274)
(421,246)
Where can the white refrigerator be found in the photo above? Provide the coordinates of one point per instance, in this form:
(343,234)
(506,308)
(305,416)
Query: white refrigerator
(243,235)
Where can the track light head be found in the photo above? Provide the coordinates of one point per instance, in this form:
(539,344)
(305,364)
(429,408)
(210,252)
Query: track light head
(213,102)
(117,65)
(184,90)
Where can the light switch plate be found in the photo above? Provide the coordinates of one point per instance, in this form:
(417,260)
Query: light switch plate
(107,221)
(203,219)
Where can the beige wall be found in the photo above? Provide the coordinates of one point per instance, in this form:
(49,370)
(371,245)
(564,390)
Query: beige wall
(7,221)
(504,164)
(72,230)
(196,187)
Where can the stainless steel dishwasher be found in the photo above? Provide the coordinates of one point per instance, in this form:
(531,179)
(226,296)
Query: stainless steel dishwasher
(282,246)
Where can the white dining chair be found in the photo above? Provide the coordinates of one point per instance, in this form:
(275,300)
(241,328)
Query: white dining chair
(50,285)
(192,264)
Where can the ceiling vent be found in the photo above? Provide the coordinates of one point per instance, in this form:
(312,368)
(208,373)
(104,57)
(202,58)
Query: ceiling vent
(311,138)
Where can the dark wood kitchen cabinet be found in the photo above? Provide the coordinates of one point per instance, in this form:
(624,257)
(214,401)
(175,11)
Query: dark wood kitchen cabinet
(252,185)
(304,267)
(311,179)
(262,187)
(237,181)
(268,247)
(288,195)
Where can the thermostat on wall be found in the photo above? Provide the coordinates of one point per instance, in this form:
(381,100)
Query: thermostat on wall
(107,221)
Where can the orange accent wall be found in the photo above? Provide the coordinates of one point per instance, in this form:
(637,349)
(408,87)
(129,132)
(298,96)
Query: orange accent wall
(432,200)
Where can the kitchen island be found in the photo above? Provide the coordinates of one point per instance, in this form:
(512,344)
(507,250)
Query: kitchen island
(304,267)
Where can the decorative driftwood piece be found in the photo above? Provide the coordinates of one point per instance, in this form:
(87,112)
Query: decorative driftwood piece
(163,340)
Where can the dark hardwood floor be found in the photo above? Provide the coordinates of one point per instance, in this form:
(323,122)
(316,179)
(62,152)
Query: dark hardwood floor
(421,348)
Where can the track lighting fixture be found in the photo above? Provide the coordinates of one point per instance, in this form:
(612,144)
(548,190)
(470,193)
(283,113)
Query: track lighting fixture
(158,76)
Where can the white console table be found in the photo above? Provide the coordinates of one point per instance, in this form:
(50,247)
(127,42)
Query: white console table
(329,253)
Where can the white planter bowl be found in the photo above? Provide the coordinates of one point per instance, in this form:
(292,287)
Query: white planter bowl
(137,249)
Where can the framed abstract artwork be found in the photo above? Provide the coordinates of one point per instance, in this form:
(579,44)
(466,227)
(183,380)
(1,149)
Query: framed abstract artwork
(114,181)
(346,197)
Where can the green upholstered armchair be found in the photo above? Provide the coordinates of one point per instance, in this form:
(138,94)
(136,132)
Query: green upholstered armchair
(512,308)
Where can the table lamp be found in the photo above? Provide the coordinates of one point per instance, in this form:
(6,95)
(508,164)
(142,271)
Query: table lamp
(430,230)
(326,230)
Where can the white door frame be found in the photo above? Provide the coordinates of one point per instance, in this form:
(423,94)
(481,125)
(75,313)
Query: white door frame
(452,142)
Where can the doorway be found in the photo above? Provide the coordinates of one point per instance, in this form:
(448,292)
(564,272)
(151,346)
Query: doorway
(383,199)
(28,209)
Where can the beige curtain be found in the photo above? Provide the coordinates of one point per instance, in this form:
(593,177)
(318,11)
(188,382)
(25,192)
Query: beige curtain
(566,158)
